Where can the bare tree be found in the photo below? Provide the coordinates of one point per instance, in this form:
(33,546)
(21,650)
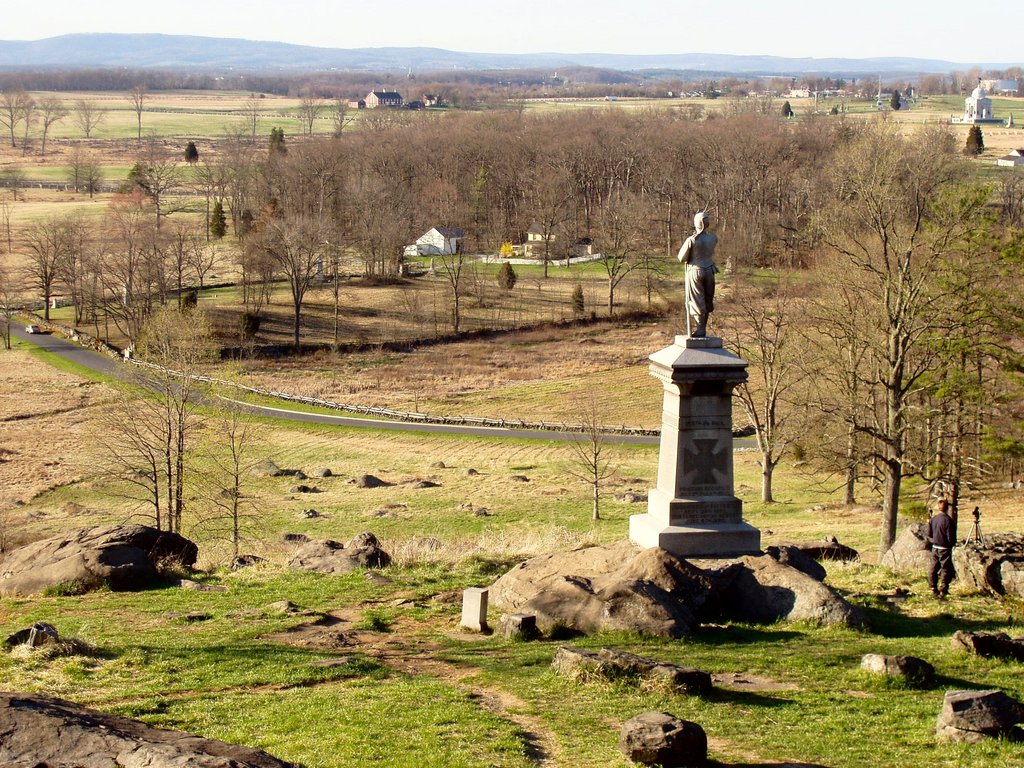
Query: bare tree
(137,98)
(15,177)
(202,259)
(149,439)
(85,173)
(131,262)
(251,111)
(88,116)
(51,111)
(159,176)
(590,460)
(296,247)
(621,223)
(15,108)
(762,338)
(233,515)
(48,242)
(339,116)
(310,108)
(884,222)
(10,294)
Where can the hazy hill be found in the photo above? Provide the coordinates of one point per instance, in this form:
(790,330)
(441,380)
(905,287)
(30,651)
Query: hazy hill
(153,51)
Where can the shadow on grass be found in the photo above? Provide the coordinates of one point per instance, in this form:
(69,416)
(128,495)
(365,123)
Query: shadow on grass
(744,698)
(890,624)
(738,634)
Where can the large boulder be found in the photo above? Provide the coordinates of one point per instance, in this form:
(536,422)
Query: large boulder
(125,557)
(658,738)
(765,590)
(44,731)
(910,552)
(600,588)
(972,716)
(995,564)
(329,556)
(623,587)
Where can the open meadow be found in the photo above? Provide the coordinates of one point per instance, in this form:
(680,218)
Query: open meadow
(382,662)
(372,667)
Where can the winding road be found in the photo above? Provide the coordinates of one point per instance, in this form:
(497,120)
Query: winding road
(52,344)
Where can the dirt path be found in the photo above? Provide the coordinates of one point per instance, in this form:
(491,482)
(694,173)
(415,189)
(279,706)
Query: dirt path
(408,654)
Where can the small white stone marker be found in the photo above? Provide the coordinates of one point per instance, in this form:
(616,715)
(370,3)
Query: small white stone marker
(474,609)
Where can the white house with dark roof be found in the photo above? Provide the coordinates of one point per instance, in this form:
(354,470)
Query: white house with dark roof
(439,241)
(1015,158)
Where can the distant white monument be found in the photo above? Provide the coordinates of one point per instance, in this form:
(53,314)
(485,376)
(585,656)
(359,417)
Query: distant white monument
(977,108)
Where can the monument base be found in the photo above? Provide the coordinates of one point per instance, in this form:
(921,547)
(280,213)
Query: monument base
(705,540)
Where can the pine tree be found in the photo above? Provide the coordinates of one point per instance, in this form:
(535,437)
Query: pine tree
(578,305)
(191,153)
(507,277)
(894,101)
(975,141)
(787,110)
(277,145)
(218,222)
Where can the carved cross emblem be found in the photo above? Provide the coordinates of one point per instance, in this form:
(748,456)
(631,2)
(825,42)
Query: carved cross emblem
(704,462)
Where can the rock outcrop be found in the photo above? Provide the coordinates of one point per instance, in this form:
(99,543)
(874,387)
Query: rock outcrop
(126,557)
(998,645)
(995,564)
(623,587)
(972,716)
(329,556)
(610,664)
(44,731)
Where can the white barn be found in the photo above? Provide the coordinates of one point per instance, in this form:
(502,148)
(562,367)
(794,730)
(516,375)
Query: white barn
(1015,158)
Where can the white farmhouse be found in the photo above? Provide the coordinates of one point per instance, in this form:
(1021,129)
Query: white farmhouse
(439,241)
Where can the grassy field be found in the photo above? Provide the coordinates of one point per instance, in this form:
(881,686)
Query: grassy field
(390,677)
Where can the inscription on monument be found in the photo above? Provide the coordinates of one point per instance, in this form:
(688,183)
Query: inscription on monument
(705,422)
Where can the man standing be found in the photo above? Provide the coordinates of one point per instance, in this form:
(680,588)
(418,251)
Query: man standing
(698,253)
(942,536)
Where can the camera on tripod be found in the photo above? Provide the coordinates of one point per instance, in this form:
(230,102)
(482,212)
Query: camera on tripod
(975,534)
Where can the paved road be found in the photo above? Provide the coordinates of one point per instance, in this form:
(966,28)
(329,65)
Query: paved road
(61,347)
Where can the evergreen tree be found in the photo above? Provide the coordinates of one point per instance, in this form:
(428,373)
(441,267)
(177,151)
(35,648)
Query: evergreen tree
(894,101)
(578,305)
(191,153)
(218,222)
(507,277)
(787,110)
(975,141)
(277,145)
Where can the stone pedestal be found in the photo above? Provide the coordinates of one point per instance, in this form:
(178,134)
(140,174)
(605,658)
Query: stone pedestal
(693,511)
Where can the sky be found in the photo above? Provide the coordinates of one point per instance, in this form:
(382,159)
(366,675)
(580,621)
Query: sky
(930,29)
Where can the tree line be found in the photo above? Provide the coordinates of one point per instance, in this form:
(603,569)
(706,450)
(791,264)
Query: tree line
(898,328)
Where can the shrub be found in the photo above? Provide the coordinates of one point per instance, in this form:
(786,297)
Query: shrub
(578,303)
(507,277)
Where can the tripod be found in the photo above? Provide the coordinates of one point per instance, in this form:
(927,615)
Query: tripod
(975,532)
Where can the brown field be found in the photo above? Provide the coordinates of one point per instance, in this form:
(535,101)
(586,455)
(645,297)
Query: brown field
(47,428)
